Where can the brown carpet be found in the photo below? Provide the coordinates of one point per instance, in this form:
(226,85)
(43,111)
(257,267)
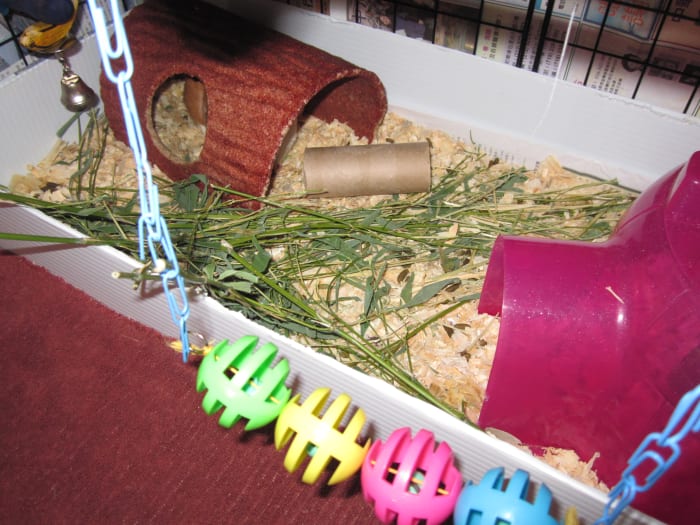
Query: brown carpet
(101,424)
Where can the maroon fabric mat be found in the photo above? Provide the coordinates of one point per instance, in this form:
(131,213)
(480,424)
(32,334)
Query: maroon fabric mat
(101,423)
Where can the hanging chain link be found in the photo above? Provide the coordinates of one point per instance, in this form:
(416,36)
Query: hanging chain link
(659,450)
(152,229)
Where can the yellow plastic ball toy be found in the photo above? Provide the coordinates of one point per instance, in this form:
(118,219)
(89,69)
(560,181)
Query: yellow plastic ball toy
(318,436)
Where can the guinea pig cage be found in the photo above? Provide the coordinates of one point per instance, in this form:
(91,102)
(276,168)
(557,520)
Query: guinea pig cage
(470,228)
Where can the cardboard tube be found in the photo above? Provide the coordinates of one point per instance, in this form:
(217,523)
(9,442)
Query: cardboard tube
(377,169)
(195,95)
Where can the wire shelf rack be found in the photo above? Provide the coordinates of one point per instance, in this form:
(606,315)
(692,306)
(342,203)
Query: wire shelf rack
(647,50)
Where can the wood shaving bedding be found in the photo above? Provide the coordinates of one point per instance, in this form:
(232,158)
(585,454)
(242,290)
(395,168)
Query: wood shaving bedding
(53,178)
(179,133)
(452,358)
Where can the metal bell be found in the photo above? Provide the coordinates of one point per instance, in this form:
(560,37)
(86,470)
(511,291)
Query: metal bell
(76,95)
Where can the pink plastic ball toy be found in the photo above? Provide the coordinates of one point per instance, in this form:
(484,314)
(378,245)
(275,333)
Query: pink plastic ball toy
(409,480)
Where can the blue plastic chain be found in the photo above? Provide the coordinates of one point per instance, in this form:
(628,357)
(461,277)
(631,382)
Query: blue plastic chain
(684,420)
(151,222)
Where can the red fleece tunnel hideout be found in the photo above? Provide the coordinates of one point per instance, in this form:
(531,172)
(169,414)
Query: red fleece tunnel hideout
(256,83)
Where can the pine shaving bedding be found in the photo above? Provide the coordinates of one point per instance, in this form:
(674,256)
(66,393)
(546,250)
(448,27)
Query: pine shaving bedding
(438,356)
(453,357)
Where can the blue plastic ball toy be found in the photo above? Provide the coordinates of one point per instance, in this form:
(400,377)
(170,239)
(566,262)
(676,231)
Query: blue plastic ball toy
(489,504)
